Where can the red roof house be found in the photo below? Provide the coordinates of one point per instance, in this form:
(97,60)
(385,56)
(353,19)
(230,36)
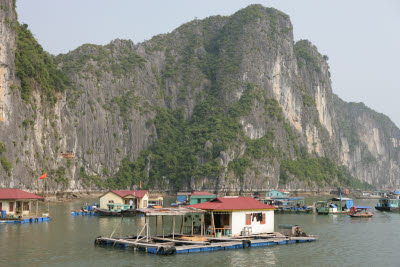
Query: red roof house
(136,193)
(233,203)
(16,201)
(14,193)
(123,199)
(238,216)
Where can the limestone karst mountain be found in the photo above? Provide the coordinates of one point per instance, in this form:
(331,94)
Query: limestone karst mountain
(225,103)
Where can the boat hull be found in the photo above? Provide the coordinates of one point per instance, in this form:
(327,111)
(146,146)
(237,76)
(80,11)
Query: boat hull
(104,212)
(338,212)
(361,216)
(388,209)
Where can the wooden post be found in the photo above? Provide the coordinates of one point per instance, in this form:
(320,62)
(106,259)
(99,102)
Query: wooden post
(48,207)
(162,225)
(156,225)
(173,227)
(202,225)
(147,232)
(183,224)
(37,208)
(192,223)
(212,223)
(147,228)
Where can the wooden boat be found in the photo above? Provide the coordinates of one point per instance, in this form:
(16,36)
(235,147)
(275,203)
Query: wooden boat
(105,212)
(388,204)
(335,206)
(360,212)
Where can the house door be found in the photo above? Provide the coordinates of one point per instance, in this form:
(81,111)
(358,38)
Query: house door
(19,207)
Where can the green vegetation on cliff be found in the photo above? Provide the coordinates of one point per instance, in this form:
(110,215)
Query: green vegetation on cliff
(36,68)
(303,51)
(181,144)
(319,170)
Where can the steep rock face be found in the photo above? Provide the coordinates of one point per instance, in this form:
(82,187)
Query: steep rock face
(369,143)
(224,103)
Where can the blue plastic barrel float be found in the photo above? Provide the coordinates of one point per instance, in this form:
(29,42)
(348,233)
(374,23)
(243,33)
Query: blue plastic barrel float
(90,208)
(3,214)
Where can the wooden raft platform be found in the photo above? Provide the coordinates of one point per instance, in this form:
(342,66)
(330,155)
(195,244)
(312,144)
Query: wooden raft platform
(165,246)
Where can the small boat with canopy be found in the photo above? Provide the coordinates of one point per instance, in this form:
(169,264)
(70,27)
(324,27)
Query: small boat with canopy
(360,212)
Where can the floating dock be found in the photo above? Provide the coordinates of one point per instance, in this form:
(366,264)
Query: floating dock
(199,238)
(84,213)
(25,220)
(166,246)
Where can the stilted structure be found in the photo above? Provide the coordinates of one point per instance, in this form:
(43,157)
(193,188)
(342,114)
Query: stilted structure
(18,206)
(194,236)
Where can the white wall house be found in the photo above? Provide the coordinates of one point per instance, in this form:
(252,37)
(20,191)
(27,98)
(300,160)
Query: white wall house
(139,198)
(238,215)
(17,202)
(248,219)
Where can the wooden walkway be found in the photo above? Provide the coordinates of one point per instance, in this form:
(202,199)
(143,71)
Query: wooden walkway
(159,245)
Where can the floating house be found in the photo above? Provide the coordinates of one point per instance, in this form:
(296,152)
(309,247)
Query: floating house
(18,206)
(200,197)
(242,215)
(156,200)
(16,202)
(120,199)
(276,194)
(237,216)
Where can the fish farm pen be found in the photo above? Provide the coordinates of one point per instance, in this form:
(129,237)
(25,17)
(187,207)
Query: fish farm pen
(188,242)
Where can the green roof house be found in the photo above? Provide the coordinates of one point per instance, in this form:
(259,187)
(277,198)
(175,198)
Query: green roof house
(200,197)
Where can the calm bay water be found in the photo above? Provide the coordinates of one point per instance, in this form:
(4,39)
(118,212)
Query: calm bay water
(69,241)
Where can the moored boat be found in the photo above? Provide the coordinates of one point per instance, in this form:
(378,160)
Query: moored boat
(388,204)
(360,212)
(335,206)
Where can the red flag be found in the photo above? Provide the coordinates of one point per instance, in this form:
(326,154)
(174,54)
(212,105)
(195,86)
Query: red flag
(43,176)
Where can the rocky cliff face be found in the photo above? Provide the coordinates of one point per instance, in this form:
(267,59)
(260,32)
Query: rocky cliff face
(224,103)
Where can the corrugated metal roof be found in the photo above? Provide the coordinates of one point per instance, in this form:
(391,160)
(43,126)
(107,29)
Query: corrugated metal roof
(14,193)
(232,203)
(124,193)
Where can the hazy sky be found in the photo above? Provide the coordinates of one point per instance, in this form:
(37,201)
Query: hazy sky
(361,37)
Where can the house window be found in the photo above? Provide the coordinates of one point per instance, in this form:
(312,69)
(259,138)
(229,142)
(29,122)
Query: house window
(263,219)
(11,207)
(26,205)
(248,219)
